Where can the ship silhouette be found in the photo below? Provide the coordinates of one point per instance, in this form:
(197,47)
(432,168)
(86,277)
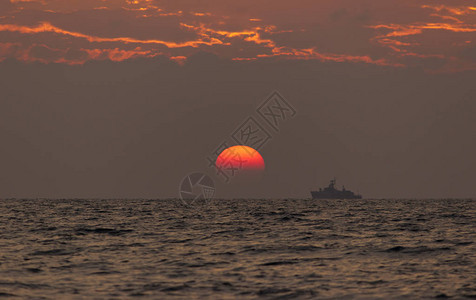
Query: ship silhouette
(330,192)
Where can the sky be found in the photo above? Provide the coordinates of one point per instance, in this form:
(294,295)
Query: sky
(124,98)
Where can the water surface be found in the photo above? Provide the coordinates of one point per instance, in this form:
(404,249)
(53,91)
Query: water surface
(270,249)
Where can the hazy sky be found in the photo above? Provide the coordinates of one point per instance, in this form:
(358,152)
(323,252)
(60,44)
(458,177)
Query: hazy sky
(124,98)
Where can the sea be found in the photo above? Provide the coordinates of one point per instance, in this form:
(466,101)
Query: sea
(238,249)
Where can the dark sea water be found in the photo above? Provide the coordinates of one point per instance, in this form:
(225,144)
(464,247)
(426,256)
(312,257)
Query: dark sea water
(270,249)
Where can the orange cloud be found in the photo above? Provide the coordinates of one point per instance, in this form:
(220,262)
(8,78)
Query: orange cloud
(117,54)
(397,30)
(45,54)
(313,54)
(47,27)
(251,35)
(459,11)
(179,59)
(254,36)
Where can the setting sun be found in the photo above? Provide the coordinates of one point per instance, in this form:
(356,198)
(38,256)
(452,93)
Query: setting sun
(240,158)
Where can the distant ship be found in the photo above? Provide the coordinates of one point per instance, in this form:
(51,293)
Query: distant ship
(331,192)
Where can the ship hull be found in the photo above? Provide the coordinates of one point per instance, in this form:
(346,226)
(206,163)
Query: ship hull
(323,195)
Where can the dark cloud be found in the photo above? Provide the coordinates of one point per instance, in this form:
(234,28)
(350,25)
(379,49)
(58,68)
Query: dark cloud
(5,6)
(44,53)
(391,32)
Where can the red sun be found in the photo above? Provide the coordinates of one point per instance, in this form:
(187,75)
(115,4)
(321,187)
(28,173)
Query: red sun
(240,158)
